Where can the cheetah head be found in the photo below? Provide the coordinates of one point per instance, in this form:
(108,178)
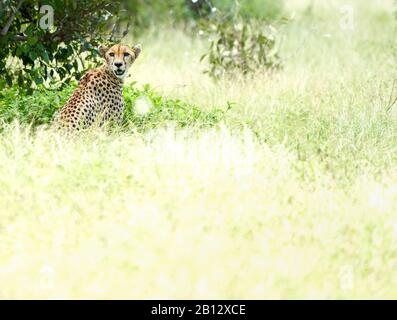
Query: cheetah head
(119,58)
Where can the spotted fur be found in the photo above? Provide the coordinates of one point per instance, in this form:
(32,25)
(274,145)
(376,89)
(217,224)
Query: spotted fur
(98,97)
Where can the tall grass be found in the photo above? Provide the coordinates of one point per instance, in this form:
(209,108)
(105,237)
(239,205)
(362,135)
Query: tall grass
(292,194)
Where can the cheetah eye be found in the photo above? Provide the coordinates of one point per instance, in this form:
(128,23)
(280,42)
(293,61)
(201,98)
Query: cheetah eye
(111,54)
(126,54)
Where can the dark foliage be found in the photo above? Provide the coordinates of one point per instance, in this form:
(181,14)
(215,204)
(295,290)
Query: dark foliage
(33,51)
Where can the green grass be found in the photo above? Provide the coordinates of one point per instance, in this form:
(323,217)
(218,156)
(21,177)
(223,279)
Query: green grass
(144,108)
(291,193)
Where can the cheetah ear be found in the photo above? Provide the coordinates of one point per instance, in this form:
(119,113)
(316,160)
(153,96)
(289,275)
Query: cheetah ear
(137,50)
(102,51)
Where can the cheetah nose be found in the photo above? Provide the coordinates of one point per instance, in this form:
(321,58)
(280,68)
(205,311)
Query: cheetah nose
(118,64)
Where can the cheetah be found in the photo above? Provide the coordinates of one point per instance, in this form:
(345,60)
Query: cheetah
(98,97)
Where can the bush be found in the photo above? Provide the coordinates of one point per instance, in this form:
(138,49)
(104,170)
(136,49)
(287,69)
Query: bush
(143,13)
(254,9)
(32,53)
(31,109)
(249,9)
(159,110)
(39,108)
(237,45)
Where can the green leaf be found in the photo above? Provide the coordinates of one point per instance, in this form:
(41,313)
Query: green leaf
(38,80)
(32,40)
(32,55)
(20,80)
(19,51)
(45,56)
(9,80)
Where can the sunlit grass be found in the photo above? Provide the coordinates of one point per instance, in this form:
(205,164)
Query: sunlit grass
(186,215)
(293,195)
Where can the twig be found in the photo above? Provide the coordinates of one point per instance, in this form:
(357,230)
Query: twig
(9,21)
(113,32)
(20,38)
(127,29)
(392,102)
